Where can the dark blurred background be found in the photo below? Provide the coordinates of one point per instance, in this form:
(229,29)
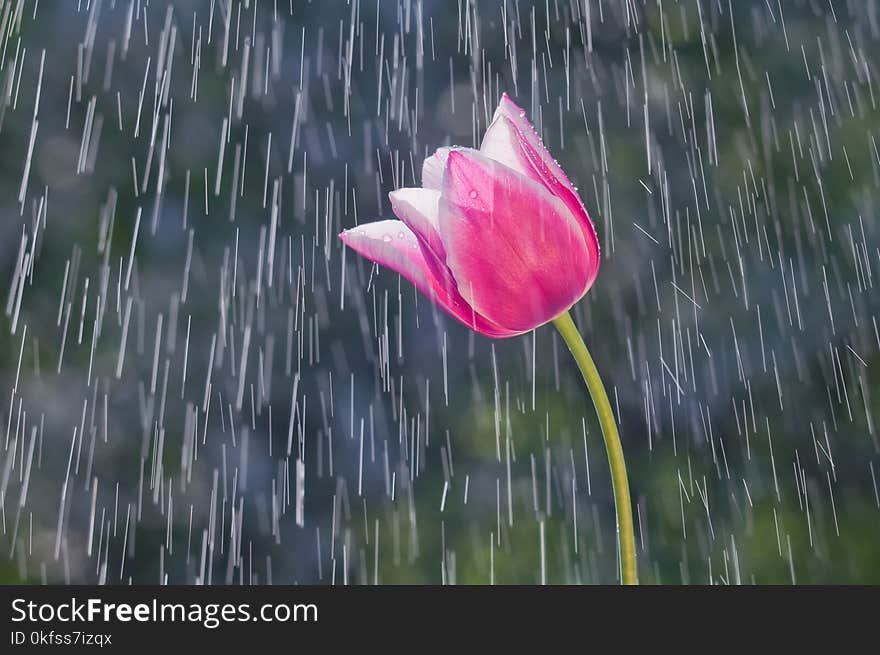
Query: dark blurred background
(199,386)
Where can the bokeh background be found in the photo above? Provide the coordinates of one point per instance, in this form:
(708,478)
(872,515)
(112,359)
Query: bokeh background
(201,386)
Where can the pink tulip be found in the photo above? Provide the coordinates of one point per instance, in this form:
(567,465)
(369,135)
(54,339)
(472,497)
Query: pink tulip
(498,237)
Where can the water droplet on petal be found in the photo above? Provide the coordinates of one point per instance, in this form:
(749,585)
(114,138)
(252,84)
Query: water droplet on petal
(400,235)
(386,238)
(473,195)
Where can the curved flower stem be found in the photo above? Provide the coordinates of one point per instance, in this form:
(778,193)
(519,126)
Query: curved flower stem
(622,503)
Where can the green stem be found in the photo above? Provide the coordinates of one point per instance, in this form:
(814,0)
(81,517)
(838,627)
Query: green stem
(622,503)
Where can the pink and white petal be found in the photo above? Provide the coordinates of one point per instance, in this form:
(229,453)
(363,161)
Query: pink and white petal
(419,208)
(392,244)
(518,255)
(501,142)
(434,167)
(513,141)
(508,109)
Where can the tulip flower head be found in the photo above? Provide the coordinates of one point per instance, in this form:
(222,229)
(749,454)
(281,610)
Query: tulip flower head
(498,237)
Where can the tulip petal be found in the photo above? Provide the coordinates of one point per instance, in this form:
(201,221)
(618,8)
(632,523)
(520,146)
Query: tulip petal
(433,169)
(419,209)
(517,252)
(391,243)
(524,134)
(511,140)
(501,142)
